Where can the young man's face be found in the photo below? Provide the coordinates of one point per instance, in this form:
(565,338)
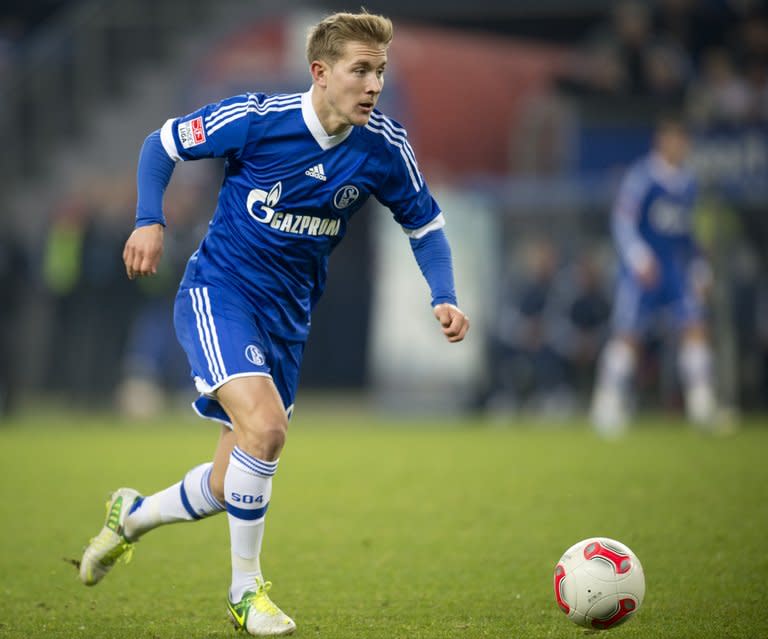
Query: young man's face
(673,144)
(353,85)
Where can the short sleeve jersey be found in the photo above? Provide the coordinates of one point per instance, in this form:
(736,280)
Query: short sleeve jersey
(288,193)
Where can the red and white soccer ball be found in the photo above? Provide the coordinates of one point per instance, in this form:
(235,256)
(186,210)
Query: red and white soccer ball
(599,583)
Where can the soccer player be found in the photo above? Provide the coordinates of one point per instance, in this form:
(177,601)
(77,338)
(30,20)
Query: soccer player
(298,166)
(662,269)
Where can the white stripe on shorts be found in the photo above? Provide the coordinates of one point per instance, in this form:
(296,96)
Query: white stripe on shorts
(204,331)
(214,334)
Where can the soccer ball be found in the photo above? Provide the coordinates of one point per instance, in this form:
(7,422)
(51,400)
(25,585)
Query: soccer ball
(599,583)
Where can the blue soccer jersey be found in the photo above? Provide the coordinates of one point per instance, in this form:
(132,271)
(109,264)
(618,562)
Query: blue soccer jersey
(652,221)
(288,193)
(653,217)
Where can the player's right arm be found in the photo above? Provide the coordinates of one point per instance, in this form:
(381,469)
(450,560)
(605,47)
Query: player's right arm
(216,130)
(625,219)
(144,247)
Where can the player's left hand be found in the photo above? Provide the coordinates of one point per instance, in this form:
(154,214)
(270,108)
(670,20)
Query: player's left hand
(452,320)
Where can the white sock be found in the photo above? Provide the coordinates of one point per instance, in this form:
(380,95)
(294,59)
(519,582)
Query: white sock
(695,365)
(247,490)
(187,500)
(617,365)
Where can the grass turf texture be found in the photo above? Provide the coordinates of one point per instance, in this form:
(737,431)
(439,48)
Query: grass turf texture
(405,529)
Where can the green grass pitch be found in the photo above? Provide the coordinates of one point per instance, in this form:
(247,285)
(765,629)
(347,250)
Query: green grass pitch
(392,529)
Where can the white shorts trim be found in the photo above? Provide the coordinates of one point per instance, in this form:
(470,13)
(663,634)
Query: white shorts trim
(210,391)
(226,423)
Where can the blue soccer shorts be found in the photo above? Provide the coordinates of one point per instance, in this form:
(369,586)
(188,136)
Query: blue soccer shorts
(635,308)
(223,340)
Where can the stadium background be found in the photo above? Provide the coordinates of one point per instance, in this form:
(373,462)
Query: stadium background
(522,115)
(426,490)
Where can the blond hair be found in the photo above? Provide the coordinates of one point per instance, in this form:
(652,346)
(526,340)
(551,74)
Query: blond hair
(326,40)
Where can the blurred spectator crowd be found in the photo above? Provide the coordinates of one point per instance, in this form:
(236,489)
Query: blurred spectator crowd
(102,337)
(551,322)
(18,20)
(109,332)
(708,58)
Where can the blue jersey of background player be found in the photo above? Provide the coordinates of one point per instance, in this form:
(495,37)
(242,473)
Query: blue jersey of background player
(652,229)
(662,270)
(298,166)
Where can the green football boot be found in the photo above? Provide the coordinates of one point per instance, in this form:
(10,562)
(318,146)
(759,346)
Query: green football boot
(257,615)
(110,544)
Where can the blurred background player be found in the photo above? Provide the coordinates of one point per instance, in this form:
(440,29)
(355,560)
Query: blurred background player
(661,270)
(298,167)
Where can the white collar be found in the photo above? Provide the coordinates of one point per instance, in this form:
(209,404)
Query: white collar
(315,126)
(672,177)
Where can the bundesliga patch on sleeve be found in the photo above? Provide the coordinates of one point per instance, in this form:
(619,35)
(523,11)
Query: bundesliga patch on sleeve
(191,133)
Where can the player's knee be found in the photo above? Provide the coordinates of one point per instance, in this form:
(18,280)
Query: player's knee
(265,438)
(273,440)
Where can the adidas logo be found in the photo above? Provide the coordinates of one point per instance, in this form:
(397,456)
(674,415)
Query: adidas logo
(316,172)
